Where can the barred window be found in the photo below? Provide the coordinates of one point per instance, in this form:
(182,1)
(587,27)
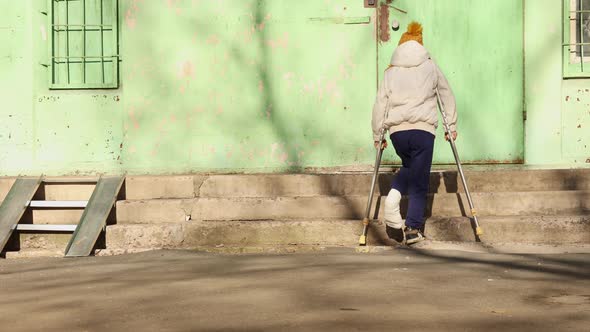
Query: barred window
(84,44)
(576,38)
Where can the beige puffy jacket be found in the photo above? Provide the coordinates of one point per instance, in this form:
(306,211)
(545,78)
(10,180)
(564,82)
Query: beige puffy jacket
(408,91)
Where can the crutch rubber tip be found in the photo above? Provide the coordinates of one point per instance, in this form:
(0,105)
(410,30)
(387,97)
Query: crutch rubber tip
(478,230)
(363,240)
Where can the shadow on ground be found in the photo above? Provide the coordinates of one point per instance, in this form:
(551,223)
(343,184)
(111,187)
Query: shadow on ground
(333,291)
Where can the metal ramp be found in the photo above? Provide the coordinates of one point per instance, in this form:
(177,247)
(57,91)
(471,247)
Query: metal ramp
(94,218)
(14,206)
(86,232)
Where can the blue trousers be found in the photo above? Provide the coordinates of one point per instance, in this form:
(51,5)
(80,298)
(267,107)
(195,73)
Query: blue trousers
(415,148)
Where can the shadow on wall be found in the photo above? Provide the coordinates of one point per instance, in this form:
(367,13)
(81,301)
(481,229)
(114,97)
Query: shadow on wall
(256,87)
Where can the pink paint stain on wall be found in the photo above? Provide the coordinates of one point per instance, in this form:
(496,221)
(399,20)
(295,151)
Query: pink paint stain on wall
(133,118)
(260,86)
(273,148)
(130,19)
(247,36)
(289,78)
(185,71)
(156,149)
(300,155)
(161,126)
(173,5)
(347,67)
(284,157)
(308,87)
(213,40)
(281,42)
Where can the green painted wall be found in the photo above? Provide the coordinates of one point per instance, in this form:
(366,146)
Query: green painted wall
(558,110)
(47,131)
(16,119)
(246,85)
(256,85)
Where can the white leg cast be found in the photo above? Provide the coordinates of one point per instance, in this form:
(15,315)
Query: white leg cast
(393,218)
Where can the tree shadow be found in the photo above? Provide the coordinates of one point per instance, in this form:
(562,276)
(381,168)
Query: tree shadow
(176,290)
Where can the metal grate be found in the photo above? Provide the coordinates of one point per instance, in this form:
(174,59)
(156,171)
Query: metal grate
(576,43)
(84,47)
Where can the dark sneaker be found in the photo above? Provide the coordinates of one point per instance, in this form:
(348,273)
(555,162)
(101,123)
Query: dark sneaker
(396,234)
(413,235)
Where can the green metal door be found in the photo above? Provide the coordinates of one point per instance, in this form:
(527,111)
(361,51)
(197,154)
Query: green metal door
(479,46)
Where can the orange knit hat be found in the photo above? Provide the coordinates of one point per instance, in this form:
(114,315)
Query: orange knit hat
(414,33)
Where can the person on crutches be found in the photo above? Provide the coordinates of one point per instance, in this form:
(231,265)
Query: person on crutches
(406,106)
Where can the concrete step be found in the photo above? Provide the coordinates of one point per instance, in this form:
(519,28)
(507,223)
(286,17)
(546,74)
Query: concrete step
(288,235)
(54,241)
(59,189)
(33,253)
(481,179)
(345,207)
(447,247)
(359,184)
(29,240)
(52,216)
(218,234)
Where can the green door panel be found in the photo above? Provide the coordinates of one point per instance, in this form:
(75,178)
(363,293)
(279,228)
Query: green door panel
(479,46)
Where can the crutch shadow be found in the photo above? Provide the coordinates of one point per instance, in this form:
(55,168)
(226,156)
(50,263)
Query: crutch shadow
(451,181)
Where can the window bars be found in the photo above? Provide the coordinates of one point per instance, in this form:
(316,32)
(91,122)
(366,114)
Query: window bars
(576,36)
(84,44)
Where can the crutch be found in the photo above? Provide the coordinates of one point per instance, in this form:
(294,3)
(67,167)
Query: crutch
(447,128)
(366,220)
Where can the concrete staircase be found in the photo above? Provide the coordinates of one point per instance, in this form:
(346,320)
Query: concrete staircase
(515,205)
